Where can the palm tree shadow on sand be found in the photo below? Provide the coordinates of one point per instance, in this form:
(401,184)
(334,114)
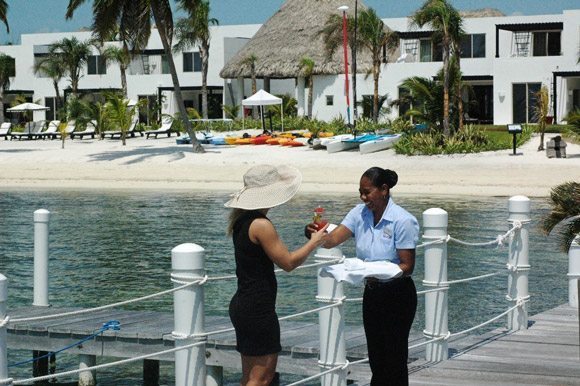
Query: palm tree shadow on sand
(141,154)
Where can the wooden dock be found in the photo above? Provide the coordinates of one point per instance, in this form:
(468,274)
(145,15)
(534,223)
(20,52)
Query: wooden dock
(545,354)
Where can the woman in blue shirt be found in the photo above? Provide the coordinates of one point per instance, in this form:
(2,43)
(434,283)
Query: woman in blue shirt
(383,231)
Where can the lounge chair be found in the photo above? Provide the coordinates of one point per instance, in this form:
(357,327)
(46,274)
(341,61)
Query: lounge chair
(113,134)
(164,129)
(90,130)
(5,129)
(31,131)
(51,130)
(68,130)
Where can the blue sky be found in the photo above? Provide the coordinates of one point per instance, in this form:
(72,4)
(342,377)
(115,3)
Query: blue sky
(32,16)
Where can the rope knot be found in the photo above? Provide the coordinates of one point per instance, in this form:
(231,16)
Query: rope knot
(4,322)
(7,381)
(346,364)
(179,336)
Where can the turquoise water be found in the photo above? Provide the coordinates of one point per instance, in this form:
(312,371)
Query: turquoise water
(110,246)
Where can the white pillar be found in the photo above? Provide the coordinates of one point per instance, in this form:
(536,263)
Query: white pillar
(41,218)
(87,378)
(188,265)
(573,272)
(518,262)
(331,324)
(300,97)
(435,221)
(3,334)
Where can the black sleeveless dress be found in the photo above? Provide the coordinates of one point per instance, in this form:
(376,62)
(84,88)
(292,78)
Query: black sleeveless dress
(253,306)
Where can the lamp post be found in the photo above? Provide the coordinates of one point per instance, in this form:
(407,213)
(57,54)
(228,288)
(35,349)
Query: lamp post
(344,8)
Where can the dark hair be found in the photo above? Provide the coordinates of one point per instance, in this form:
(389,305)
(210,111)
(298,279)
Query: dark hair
(379,176)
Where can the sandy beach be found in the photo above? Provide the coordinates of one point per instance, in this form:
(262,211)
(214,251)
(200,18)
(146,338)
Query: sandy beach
(161,164)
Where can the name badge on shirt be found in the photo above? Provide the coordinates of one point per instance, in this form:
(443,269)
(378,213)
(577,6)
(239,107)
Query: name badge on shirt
(387,232)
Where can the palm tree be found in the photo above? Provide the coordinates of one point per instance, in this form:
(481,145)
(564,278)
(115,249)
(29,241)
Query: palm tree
(250,61)
(122,57)
(446,22)
(51,66)
(457,35)
(194,30)
(540,112)
(73,54)
(133,19)
(4,13)
(7,70)
(565,213)
(372,36)
(118,111)
(307,67)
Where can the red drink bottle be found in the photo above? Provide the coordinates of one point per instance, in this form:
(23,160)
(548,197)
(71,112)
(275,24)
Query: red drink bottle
(317,218)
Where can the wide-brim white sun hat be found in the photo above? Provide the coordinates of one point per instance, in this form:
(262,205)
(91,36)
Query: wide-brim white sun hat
(266,186)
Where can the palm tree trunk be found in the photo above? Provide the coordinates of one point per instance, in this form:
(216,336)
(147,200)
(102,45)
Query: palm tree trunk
(310,95)
(58,99)
(204,68)
(197,148)
(123,70)
(459,94)
(376,92)
(446,131)
(2,105)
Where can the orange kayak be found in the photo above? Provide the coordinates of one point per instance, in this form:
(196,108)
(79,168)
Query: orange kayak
(285,141)
(260,140)
(273,141)
(294,143)
(243,141)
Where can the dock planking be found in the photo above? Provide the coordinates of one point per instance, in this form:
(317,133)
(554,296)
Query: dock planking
(547,353)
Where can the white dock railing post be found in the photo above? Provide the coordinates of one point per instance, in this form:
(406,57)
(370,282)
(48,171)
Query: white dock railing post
(188,265)
(435,221)
(573,272)
(41,217)
(331,324)
(518,262)
(3,334)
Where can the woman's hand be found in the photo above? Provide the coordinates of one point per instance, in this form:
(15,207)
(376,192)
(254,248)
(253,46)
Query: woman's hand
(318,236)
(310,229)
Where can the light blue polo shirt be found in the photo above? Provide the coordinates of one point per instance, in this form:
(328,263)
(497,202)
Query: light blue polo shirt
(397,229)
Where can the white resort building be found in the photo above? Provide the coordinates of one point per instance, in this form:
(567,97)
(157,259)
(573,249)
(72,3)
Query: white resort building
(504,59)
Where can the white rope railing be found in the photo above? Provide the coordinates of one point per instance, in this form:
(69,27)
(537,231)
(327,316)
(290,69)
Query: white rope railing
(105,365)
(108,306)
(497,241)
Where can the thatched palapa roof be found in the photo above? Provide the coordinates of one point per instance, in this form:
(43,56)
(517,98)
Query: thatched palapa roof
(289,35)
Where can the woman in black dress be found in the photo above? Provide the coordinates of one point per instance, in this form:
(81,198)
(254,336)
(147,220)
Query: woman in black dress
(257,248)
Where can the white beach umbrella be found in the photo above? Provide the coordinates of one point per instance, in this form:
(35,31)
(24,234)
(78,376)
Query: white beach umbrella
(28,106)
(262,98)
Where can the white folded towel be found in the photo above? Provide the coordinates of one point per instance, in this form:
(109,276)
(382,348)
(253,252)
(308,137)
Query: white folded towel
(354,270)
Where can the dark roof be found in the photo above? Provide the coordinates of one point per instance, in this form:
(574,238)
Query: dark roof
(531,26)
(414,34)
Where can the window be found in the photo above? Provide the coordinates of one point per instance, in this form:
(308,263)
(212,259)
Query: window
(97,65)
(430,52)
(196,62)
(188,62)
(473,46)
(164,64)
(330,100)
(191,62)
(524,101)
(50,102)
(547,43)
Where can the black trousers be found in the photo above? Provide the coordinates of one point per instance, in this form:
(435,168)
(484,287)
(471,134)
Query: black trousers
(388,313)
